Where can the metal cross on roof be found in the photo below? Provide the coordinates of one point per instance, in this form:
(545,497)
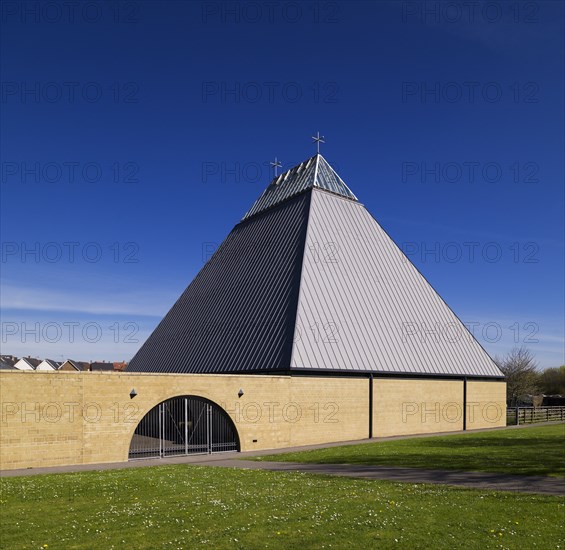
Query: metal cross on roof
(317,139)
(276,164)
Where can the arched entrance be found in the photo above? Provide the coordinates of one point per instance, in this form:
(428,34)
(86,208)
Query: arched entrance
(181,426)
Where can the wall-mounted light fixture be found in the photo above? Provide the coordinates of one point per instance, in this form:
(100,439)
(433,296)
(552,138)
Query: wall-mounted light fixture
(240,393)
(132,393)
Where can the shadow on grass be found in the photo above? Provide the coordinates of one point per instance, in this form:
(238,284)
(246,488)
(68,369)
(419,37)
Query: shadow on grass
(490,442)
(526,453)
(510,463)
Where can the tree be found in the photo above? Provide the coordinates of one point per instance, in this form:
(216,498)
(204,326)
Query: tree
(552,381)
(520,369)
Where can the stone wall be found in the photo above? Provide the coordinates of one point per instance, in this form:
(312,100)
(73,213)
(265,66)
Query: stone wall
(51,419)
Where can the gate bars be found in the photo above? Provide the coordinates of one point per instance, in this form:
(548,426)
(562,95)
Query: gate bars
(182,426)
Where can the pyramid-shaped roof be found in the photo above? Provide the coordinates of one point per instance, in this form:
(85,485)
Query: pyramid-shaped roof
(308,281)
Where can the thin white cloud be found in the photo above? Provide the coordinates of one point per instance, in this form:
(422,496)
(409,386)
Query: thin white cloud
(99,302)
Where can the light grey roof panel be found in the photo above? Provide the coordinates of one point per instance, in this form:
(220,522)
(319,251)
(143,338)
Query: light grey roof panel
(364,307)
(314,172)
(327,178)
(238,313)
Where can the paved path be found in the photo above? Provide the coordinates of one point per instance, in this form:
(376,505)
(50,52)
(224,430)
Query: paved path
(475,480)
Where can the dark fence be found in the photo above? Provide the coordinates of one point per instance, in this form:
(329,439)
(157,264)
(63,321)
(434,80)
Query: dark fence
(530,415)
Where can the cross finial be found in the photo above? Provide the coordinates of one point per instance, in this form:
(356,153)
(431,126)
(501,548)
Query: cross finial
(317,139)
(276,164)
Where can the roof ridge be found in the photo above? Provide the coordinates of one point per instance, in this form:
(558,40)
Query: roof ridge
(316,170)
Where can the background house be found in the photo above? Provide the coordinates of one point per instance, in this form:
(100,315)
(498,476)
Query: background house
(48,365)
(102,366)
(71,365)
(27,363)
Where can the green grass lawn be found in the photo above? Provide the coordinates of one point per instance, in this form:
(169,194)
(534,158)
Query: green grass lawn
(531,451)
(189,506)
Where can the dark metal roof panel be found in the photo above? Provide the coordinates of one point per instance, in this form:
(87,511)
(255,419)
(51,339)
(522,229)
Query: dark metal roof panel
(238,314)
(364,306)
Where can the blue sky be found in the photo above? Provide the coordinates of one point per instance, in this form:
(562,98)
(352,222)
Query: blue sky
(134,135)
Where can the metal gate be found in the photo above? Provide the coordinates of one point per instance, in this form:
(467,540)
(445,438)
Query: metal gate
(182,426)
